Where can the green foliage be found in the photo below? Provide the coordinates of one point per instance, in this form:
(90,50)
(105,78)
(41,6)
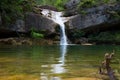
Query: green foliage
(13,9)
(117,36)
(86,3)
(107,36)
(106,1)
(77,34)
(83,3)
(103,36)
(91,3)
(56,3)
(114,15)
(35,34)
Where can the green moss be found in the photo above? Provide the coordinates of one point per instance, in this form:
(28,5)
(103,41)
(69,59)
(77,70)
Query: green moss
(86,3)
(59,4)
(92,3)
(83,12)
(35,34)
(77,34)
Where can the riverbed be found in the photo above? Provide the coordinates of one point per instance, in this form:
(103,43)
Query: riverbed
(55,62)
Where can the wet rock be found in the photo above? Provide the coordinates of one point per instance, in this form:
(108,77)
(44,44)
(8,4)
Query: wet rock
(42,42)
(15,41)
(32,21)
(26,42)
(47,7)
(8,41)
(39,23)
(82,40)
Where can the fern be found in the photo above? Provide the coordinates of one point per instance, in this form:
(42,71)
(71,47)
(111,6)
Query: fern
(36,34)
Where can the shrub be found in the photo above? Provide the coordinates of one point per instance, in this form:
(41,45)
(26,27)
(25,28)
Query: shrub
(35,34)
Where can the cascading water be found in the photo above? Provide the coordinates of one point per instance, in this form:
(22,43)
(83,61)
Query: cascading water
(56,17)
(59,20)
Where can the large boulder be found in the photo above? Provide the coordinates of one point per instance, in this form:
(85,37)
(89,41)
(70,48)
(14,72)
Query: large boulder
(104,16)
(39,23)
(12,30)
(32,21)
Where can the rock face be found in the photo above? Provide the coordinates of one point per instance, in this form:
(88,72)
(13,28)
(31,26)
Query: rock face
(19,26)
(71,4)
(96,17)
(47,7)
(71,7)
(13,29)
(39,23)
(0,20)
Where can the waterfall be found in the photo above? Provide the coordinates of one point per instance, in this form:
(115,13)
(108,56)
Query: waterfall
(57,17)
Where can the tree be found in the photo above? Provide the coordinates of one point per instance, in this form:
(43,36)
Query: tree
(13,9)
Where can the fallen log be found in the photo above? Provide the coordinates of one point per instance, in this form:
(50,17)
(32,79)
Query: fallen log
(105,68)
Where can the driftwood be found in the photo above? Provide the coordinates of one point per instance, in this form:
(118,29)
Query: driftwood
(105,68)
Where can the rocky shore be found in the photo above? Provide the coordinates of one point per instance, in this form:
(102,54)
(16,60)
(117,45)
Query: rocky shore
(26,41)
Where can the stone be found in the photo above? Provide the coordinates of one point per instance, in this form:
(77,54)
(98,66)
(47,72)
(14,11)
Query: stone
(39,23)
(19,26)
(71,4)
(13,30)
(0,20)
(82,40)
(32,21)
(95,18)
(47,7)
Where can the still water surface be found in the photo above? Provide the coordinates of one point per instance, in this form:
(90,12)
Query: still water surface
(73,62)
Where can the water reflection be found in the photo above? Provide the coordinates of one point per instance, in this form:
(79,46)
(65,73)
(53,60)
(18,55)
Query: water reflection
(59,68)
(56,68)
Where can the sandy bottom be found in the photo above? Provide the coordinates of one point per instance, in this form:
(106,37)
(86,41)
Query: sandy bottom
(19,77)
(24,77)
(82,78)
